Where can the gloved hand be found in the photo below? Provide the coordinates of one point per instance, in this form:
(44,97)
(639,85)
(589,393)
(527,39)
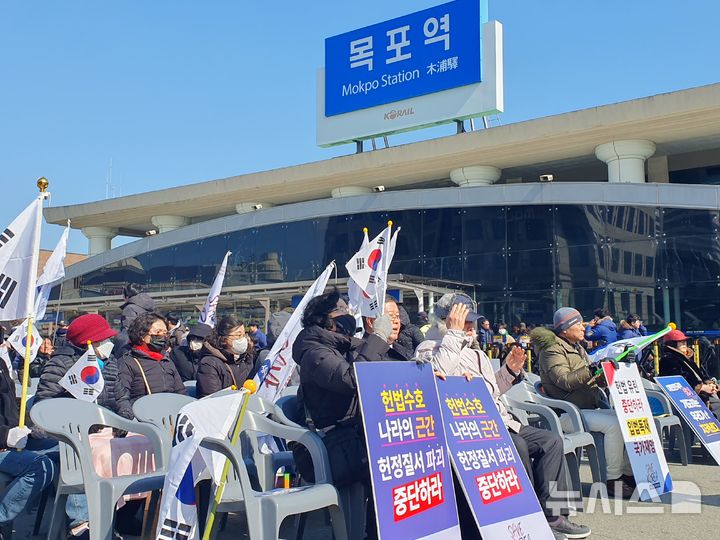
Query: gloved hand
(17,437)
(382,327)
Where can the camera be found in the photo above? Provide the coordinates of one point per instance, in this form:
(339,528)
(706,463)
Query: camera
(379,189)
(546,178)
(257,206)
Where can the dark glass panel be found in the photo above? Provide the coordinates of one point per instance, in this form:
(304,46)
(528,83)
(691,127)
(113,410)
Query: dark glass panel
(441,232)
(585,300)
(443,268)
(530,269)
(690,259)
(579,225)
(685,222)
(581,266)
(486,271)
(532,307)
(529,227)
(483,229)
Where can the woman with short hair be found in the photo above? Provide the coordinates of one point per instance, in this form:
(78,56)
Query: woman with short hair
(146,369)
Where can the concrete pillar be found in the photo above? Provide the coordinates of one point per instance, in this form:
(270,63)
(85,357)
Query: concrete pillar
(169,223)
(350,191)
(99,239)
(245,207)
(657,168)
(477,175)
(626,159)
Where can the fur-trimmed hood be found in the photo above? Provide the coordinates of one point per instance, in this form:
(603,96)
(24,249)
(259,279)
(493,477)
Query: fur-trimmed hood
(543,337)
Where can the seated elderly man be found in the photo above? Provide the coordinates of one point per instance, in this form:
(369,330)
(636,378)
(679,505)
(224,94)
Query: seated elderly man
(453,349)
(566,373)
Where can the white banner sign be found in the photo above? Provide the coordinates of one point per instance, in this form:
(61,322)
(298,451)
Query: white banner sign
(642,443)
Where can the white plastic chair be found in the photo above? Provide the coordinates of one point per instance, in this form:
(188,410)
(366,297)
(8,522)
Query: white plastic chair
(69,421)
(266,510)
(161,410)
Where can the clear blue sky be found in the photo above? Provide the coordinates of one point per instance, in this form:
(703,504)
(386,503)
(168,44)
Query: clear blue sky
(176,92)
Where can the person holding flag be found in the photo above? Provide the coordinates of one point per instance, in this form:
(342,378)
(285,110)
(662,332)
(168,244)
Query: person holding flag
(567,373)
(92,328)
(32,471)
(228,358)
(325,351)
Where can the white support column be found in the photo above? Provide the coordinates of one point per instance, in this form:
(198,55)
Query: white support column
(350,191)
(99,239)
(169,223)
(245,207)
(477,175)
(626,159)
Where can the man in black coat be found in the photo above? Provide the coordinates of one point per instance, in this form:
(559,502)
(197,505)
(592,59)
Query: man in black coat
(397,349)
(187,357)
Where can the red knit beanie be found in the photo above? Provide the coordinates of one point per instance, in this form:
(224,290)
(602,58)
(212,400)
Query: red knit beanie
(90,327)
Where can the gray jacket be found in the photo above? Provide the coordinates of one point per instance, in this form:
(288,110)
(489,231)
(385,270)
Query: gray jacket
(452,356)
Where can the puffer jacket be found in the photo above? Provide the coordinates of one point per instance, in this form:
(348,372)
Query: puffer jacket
(185,362)
(628,331)
(134,306)
(328,389)
(161,375)
(219,369)
(410,335)
(61,361)
(9,415)
(564,370)
(603,332)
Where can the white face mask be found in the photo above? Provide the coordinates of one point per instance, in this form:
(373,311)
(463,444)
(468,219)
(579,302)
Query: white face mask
(195,345)
(104,349)
(240,346)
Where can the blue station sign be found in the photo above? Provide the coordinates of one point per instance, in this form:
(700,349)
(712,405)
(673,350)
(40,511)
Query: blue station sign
(428,51)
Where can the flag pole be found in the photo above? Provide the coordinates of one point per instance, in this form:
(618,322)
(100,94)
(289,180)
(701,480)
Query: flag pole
(381,298)
(249,388)
(42,185)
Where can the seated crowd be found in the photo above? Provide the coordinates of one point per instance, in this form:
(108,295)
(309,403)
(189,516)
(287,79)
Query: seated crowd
(154,354)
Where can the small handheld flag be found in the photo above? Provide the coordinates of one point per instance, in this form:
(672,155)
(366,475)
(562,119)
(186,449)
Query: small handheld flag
(84,379)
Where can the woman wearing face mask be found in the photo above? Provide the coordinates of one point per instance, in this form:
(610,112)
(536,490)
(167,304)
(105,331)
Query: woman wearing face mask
(146,369)
(93,328)
(228,358)
(186,357)
(677,359)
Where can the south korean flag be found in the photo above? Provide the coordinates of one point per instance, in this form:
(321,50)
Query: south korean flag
(19,338)
(84,380)
(212,416)
(17,244)
(370,260)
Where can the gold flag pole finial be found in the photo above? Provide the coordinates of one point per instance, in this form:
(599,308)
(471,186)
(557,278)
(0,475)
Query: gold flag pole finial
(42,184)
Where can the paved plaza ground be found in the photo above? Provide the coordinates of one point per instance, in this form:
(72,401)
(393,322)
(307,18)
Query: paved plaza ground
(691,512)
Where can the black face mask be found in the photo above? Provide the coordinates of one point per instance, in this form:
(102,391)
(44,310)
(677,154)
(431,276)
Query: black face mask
(157,343)
(345,324)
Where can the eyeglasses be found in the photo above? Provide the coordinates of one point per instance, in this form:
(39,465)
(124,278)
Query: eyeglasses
(159,334)
(394,318)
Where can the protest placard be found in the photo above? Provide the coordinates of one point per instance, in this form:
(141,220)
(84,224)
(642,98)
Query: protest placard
(487,463)
(694,411)
(643,446)
(409,468)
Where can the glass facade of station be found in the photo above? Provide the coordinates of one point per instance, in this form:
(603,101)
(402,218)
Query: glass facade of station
(519,262)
